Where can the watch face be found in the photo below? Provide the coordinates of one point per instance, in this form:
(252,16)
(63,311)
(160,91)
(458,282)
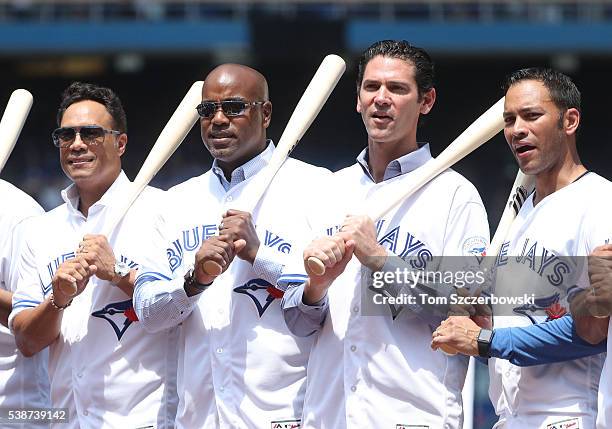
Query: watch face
(485,335)
(122,269)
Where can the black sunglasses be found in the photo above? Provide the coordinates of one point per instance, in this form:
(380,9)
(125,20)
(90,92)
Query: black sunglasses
(90,135)
(207,109)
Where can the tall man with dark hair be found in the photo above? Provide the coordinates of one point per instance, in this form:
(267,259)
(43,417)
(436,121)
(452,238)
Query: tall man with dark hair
(104,368)
(240,366)
(377,370)
(562,222)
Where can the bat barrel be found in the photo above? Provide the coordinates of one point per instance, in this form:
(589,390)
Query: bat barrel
(478,133)
(13,119)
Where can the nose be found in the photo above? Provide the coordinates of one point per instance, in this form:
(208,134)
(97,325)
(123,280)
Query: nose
(78,143)
(219,117)
(382,96)
(519,129)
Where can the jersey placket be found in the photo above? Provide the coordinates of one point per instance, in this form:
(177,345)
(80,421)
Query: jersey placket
(220,355)
(76,326)
(352,348)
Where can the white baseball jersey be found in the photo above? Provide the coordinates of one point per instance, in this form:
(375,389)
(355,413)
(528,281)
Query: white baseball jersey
(23,381)
(535,260)
(378,371)
(104,367)
(239,365)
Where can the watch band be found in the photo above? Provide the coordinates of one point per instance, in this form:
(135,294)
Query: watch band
(484,342)
(191,281)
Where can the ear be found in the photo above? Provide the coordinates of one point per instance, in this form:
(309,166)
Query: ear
(571,121)
(121,143)
(266,109)
(429,98)
(358,104)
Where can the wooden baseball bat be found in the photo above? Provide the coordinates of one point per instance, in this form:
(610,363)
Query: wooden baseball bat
(12,121)
(316,94)
(173,134)
(521,188)
(478,133)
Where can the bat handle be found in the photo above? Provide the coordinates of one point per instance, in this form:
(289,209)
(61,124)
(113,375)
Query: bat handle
(68,289)
(212,268)
(316,266)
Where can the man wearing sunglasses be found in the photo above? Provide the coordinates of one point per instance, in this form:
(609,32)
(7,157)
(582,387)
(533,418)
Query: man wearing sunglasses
(17,385)
(240,366)
(104,368)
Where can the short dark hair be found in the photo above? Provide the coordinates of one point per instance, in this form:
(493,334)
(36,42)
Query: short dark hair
(563,91)
(79,91)
(403,50)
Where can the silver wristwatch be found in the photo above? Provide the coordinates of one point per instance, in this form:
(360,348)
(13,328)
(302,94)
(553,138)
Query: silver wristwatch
(121,270)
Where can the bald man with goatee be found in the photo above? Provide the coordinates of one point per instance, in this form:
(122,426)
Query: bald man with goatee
(239,364)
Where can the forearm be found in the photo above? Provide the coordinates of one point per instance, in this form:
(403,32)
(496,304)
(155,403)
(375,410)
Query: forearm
(161,302)
(269,263)
(37,327)
(6,305)
(549,342)
(591,329)
(302,319)
(126,284)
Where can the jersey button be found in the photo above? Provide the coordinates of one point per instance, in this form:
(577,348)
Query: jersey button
(356,309)
(219,350)
(85,413)
(353,388)
(229,198)
(353,348)
(80,374)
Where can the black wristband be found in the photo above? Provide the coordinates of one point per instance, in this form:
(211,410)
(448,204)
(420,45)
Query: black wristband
(485,336)
(191,281)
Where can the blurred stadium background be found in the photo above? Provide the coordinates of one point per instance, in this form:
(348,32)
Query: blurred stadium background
(151,51)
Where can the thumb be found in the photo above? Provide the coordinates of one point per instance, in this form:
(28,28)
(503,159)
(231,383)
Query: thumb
(92,269)
(239,245)
(349,249)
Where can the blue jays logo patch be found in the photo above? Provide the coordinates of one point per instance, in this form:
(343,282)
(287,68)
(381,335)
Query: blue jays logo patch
(261,292)
(119,315)
(476,246)
(547,304)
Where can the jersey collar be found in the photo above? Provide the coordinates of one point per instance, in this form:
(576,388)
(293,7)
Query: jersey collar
(246,170)
(402,165)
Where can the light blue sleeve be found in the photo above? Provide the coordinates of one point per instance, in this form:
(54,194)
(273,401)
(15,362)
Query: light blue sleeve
(302,320)
(548,342)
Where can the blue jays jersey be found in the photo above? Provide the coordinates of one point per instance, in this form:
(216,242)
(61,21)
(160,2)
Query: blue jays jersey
(544,255)
(104,368)
(378,371)
(239,365)
(23,381)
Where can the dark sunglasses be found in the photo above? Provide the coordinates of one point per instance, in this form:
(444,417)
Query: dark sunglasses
(207,109)
(90,135)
